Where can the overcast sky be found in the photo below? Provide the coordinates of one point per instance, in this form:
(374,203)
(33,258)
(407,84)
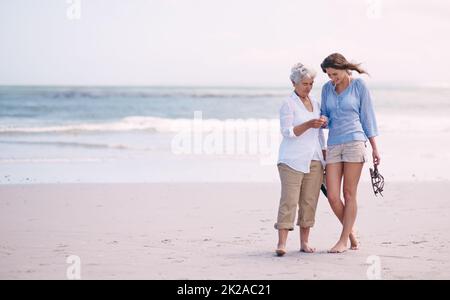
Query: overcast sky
(219,42)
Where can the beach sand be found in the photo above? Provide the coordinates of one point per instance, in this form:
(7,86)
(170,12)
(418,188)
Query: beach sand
(215,231)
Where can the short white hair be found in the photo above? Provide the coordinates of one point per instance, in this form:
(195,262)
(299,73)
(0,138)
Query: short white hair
(300,72)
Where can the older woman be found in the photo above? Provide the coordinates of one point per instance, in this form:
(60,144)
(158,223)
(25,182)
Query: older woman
(301,159)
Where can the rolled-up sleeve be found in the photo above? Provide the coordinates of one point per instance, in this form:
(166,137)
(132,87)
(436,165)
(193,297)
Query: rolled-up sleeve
(323,106)
(287,120)
(323,145)
(366,112)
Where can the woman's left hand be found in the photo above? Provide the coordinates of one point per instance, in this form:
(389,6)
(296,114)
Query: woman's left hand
(325,119)
(376,157)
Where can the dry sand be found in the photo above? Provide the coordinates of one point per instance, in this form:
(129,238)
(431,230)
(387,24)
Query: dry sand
(214,231)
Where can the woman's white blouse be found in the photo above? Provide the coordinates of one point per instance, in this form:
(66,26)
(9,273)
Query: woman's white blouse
(298,151)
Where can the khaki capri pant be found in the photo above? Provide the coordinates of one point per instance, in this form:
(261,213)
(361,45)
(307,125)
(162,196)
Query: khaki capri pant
(299,190)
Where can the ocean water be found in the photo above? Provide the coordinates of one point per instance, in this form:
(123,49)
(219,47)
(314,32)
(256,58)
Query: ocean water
(159,134)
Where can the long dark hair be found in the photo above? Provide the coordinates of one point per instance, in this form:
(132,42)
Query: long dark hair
(338,61)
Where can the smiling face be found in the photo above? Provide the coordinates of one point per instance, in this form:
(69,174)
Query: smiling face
(337,76)
(304,86)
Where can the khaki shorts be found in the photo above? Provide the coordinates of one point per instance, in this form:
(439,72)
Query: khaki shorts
(299,190)
(349,152)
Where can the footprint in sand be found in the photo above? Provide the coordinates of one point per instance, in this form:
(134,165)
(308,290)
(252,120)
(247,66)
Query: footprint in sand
(418,242)
(60,248)
(4,250)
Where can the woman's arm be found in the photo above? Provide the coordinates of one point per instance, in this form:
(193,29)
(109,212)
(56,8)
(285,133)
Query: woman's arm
(368,120)
(314,123)
(323,107)
(287,120)
(366,111)
(375,155)
(322,143)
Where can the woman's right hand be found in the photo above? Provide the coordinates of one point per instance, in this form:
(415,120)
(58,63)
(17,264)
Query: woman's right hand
(315,123)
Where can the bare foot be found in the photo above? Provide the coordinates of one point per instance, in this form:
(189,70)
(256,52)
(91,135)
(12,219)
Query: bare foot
(338,248)
(281,250)
(354,244)
(305,248)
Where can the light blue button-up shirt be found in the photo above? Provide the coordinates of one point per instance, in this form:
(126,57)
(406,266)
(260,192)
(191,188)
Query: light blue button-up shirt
(350,114)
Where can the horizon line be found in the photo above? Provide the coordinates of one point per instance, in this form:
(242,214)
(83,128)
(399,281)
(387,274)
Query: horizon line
(220,86)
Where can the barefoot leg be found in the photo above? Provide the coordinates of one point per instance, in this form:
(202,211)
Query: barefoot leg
(304,240)
(352,173)
(282,238)
(334,177)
